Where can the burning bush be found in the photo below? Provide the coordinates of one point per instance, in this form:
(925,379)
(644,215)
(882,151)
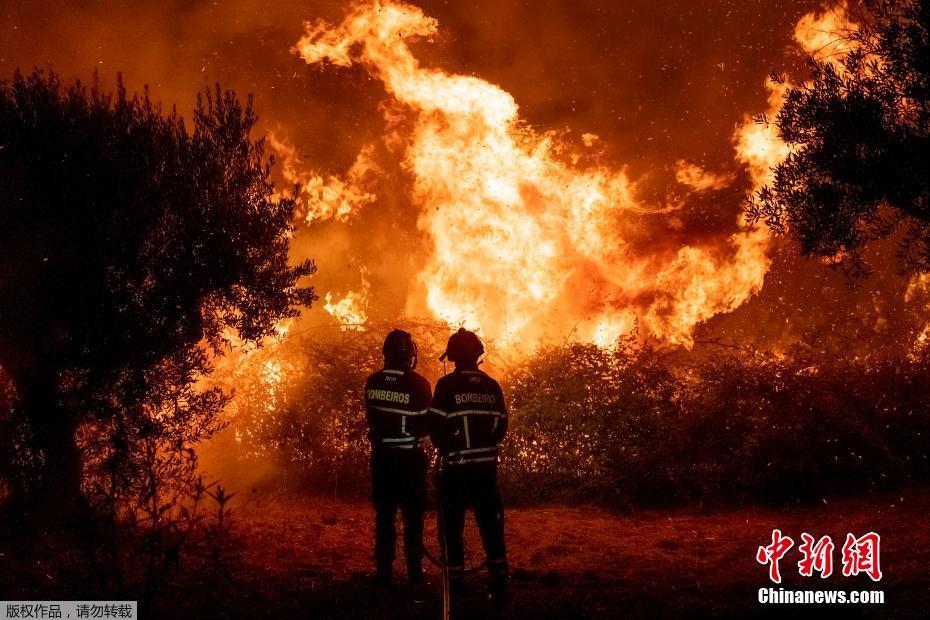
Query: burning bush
(299,414)
(642,426)
(626,425)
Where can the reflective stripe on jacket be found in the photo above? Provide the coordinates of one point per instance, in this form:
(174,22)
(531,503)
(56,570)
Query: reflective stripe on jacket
(468,417)
(396,404)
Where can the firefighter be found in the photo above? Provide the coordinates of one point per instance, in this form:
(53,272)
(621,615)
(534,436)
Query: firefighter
(396,401)
(468,419)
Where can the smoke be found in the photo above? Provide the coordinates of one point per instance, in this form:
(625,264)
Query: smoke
(528,240)
(619,94)
(540,171)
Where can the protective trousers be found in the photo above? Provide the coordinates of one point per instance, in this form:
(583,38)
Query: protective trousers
(475,485)
(398,480)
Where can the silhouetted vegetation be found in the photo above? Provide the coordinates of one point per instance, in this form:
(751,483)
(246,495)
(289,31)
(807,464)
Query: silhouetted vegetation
(629,426)
(637,426)
(298,415)
(860,132)
(129,243)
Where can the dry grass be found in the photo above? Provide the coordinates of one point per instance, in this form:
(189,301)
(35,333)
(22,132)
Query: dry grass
(309,556)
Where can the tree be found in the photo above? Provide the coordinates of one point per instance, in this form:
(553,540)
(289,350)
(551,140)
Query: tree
(860,132)
(128,244)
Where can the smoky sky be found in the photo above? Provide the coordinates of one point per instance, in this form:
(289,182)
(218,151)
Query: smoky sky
(657,81)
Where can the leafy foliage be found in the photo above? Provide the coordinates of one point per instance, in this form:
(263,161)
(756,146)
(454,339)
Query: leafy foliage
(650,427)
(628,426)
(300,405)
(128,244)
(859,169)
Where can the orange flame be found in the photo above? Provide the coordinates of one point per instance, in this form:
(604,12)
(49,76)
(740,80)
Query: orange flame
(822,35)
(350,310)
(825,34)
(324,197)
(529,244)
(701,180)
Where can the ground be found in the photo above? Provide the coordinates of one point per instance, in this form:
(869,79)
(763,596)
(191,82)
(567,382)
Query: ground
(311,557)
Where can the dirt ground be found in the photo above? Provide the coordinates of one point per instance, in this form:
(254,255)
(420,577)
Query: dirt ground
(311,557)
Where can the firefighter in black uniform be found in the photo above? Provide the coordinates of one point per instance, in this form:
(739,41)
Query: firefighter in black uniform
(468,419)
(396,401)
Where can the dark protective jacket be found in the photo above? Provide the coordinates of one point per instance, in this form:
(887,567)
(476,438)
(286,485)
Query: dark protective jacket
(468,417)
(396,403)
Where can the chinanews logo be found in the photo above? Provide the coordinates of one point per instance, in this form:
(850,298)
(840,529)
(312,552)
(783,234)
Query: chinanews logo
(860,555)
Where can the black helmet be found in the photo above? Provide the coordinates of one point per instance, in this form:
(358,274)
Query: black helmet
(463,345)
(400,347)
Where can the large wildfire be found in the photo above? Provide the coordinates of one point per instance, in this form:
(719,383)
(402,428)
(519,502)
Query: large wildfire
(526,242)
(552,175)
(529,238)
(427,191)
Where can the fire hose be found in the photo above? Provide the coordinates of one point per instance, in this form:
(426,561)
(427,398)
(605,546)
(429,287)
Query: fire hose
(444,559)
(437,561)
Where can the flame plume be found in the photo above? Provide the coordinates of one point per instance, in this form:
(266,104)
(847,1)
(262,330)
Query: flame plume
(350,310)
(319,197)
(526,246)
(530,241)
